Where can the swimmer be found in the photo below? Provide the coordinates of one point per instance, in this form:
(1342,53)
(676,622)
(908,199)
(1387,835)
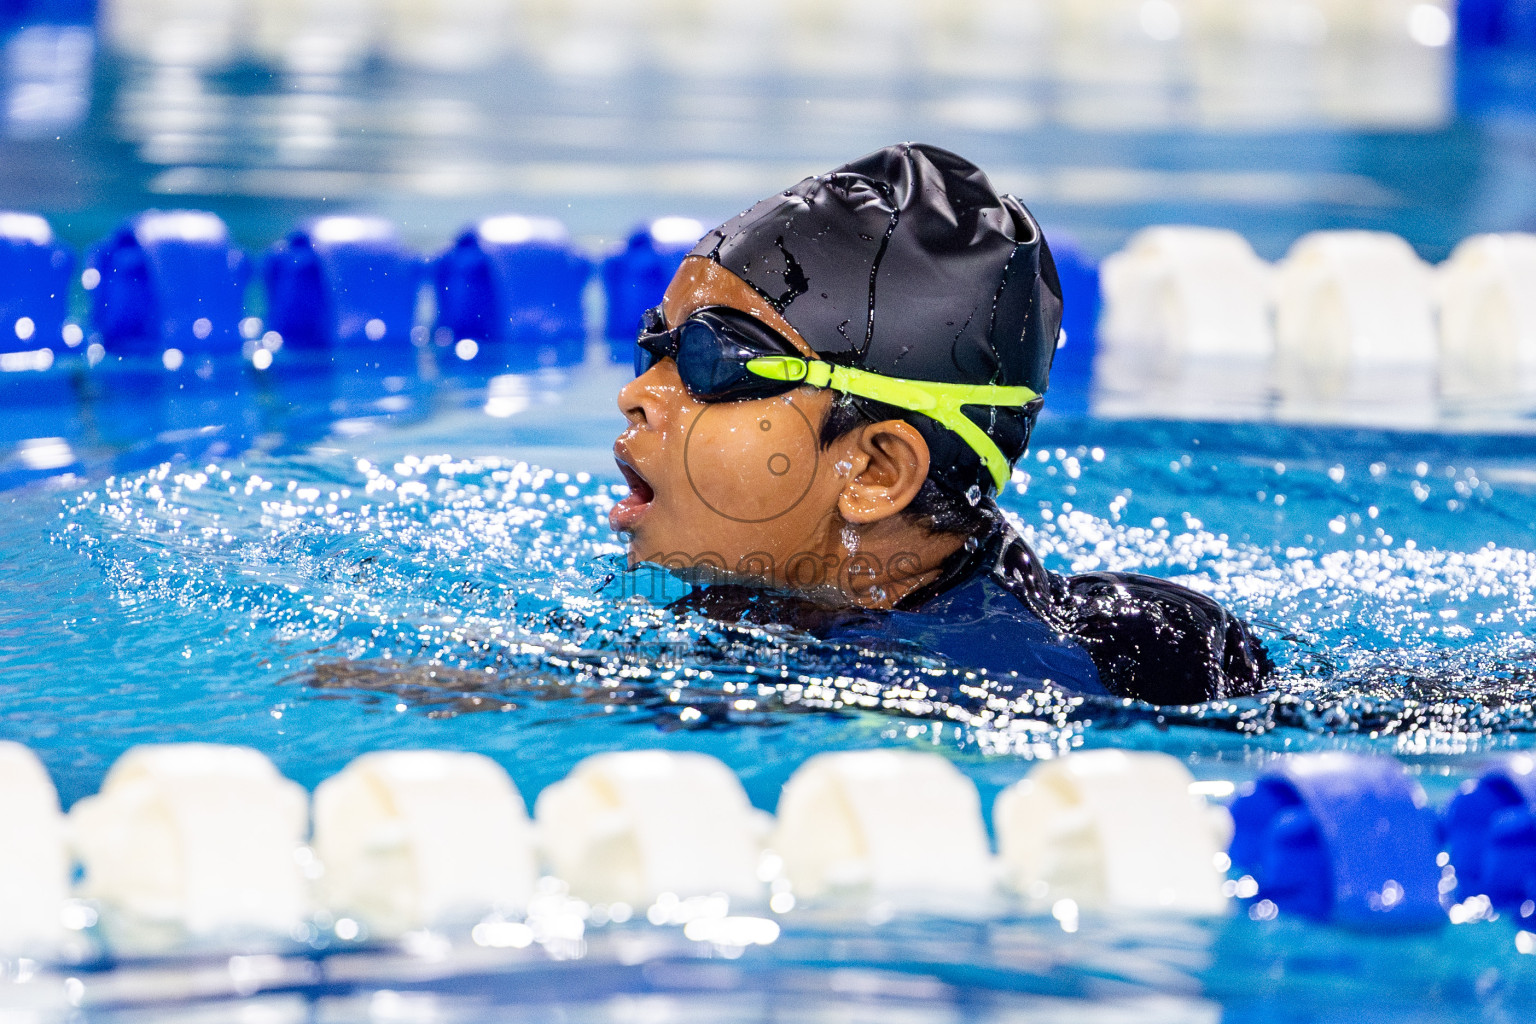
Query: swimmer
(828,400)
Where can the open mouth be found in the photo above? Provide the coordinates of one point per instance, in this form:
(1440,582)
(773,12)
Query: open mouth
(627,513)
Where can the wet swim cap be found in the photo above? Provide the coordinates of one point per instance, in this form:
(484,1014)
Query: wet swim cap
(908,263)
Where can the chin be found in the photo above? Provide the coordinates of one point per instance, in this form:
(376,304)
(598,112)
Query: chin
(633,552)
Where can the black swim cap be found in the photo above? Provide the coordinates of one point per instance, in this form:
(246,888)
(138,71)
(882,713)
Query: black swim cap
(907,262)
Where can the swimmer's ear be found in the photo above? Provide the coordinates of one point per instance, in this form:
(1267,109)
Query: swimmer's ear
(887,466)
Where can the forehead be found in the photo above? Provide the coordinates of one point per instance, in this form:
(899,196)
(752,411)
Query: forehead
(702,282)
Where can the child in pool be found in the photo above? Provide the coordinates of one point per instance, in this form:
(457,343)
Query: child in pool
(835,387)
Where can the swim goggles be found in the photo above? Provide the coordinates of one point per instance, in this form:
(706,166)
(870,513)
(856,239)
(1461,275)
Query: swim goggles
(725,355)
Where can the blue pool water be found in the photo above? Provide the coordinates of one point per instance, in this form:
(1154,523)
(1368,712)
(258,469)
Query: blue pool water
(396,555)
(369,560)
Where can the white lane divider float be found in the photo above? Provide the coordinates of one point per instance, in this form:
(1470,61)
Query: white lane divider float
(894,822)
(1186,323)
(1114,830)
(411,838)
(1355,325)
(34,864)
(1488,322)
(196,835)
(209,840)
(628,826)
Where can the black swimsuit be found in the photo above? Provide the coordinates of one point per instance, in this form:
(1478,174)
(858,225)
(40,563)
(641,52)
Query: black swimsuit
(995,608)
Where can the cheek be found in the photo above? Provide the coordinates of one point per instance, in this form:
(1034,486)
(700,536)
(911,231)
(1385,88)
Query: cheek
(751,463)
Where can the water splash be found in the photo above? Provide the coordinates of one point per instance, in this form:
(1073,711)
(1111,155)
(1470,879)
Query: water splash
(453,586)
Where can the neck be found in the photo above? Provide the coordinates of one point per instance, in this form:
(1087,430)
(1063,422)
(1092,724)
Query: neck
(889,560)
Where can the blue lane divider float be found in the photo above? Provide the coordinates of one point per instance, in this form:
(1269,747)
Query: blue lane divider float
(342,281)
(168,283)
(514,285)
(1081,302)
(1342,838)
(1072,366)
(1490,834)
(635,277)
(1496,24)
(34,291)
(1495,56)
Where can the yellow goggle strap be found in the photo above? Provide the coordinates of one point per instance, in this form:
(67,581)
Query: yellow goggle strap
(940,402)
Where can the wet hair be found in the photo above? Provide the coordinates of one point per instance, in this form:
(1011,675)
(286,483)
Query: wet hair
(938,506)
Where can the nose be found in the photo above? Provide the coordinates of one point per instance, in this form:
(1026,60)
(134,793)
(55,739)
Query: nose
(641,400)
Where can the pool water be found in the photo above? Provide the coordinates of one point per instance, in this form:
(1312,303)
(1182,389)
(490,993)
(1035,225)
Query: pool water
(369,560)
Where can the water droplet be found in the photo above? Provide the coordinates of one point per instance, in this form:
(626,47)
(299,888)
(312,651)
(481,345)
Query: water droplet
(973,495)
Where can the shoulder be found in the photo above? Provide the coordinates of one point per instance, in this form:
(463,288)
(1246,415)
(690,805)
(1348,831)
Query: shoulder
(1159,641)
(1150,638)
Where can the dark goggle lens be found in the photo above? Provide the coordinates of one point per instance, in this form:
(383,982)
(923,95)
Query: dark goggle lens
(711,362)
(712,349)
